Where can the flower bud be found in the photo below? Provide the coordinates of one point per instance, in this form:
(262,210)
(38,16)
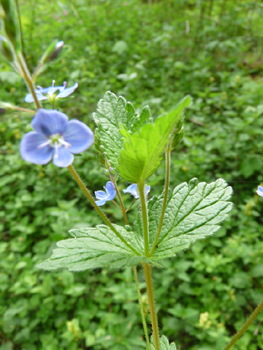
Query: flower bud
(52,51)
(5,49)
(11,23)
(177,134)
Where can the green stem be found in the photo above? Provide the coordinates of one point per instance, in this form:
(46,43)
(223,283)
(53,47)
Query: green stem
(35,73)
(99,211)
(141,189)
(116,204)
(118,194)
(28,79)
(23,109)
(167,178)
(141,308)
(134,200)
(149,283)
(245,326)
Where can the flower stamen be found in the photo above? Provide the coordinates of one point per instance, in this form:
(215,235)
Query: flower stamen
(65,143)
(56,150)
(44,144)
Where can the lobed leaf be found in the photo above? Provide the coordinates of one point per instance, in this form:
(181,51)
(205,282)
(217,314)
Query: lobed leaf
(142,153)
(96,247)
(193,211)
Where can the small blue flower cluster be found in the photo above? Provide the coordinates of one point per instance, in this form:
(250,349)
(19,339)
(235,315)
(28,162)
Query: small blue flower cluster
(110,193)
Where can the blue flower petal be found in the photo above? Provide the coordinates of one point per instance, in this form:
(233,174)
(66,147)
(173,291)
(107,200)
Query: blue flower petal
(260,191)
(49,122)
(29,97)
(29,148)
(132,189)
(79,135)
(67,92)
(62,158)
(110,189)
(100,203)
(101,195)
(49,90)
(147,190)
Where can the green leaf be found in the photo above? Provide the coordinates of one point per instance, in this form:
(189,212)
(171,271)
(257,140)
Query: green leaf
(112,114)
(96,247)
(164,343)
(193,211)
(142,153)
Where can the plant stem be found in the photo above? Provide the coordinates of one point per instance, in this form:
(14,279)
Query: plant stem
(28,79)
(245,326)
(141,189)
(167,178)
(149,283)
(141,307)
(134,200)
(23,109)
(118,194)
(99,211)
(116,204)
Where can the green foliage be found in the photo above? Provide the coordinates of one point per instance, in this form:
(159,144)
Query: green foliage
(164,342)
(142,153)
(193,211)
(10,23)
(114,113)
(95,247)
(219,62)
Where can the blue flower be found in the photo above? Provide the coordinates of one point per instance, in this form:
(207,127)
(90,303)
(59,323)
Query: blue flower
(132,189)
(55,137)
(108,195)
(260,191)
(49,93)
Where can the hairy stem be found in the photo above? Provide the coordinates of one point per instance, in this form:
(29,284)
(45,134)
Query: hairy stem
(99,211)
(167,178)
(141,307)
(141,189)
(149,283)
(245,326)
(28,79)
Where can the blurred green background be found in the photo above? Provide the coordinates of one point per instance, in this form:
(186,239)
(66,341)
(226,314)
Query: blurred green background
(151,52)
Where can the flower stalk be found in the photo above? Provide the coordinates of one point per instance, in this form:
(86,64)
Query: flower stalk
(141,189)
(166,190)
(245,326)
(99,211)
(141,308)
(28,79)
(118,193)
(149,283)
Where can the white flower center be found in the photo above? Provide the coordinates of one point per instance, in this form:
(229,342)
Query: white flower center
(55,141)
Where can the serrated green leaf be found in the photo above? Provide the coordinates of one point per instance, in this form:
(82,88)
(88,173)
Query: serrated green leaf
(139,120)
(113,113)
(96,247)
(164,343)
(193,211)
(142,153)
